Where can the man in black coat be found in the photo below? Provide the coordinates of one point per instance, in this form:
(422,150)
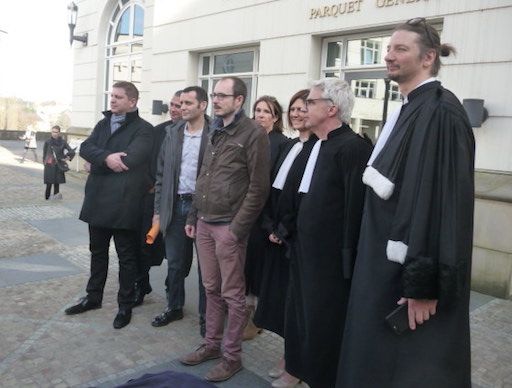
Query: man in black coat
(117,154)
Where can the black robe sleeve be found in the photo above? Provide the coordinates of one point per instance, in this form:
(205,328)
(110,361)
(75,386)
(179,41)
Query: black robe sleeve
(438,258)
(352,162)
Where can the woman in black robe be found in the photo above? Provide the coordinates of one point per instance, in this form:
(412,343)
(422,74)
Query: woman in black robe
(55,150)
(277,219)
(269,114)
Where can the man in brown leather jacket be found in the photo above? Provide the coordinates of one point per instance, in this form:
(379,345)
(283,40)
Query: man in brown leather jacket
(230,193)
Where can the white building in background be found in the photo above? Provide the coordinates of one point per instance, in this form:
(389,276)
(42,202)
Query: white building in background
(277,46)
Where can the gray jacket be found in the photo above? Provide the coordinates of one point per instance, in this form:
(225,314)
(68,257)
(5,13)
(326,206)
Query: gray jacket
(168,169)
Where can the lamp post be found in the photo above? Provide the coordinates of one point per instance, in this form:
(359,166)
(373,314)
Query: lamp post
(72,15)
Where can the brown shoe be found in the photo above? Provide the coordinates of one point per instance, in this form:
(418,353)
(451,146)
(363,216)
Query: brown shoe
(200,355)
(224,370)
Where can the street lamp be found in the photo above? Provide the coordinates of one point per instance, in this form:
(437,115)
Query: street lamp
(72,14)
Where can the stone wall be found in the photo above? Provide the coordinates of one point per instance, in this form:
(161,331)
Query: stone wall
(492,245)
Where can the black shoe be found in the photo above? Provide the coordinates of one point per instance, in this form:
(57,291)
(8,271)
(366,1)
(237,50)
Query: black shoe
(167,317)
(84,305)
(123,318)
(140,293)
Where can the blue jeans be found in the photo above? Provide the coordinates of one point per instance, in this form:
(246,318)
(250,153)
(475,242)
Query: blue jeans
(179,251)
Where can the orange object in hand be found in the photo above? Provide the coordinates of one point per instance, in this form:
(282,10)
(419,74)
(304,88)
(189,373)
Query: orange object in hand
(152,233)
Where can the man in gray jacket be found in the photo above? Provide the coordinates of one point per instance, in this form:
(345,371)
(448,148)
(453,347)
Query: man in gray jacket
(230,193)
(178,165)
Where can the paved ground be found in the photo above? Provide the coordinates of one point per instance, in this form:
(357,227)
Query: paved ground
(44,265)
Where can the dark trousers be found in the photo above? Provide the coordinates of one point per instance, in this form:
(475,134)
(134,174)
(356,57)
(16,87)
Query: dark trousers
(125,241)
(48,191)
(148,255)
(179,251)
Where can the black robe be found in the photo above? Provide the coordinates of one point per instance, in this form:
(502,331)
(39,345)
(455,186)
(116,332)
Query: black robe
(258,242)
(280,212)
(324,250)
(431,211)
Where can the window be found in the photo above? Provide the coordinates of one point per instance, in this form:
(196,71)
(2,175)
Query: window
(360,61)
(124,45)
(364,89)
(370,52)
(240,63)
(394,92)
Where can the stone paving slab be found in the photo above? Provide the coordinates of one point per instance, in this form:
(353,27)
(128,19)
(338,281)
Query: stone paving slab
(35,268)
(19,238)
(68,231)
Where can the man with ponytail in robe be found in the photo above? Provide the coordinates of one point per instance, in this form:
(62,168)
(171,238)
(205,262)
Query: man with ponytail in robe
(416,235)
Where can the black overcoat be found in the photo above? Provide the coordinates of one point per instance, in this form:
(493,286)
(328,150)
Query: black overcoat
(52,173)
(113,199)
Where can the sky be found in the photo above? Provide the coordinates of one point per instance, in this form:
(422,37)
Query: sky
(36,61)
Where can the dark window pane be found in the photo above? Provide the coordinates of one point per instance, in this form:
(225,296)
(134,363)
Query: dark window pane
(206,65)
(204,85)
(333,54)
(248,103)
(107,81)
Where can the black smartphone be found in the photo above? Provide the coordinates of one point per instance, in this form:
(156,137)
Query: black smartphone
(398,319)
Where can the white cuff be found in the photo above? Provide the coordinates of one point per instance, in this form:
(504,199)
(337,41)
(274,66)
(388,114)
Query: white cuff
(382,186)
(396,251)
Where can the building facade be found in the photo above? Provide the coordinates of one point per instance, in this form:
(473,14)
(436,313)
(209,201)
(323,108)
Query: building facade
(277,46)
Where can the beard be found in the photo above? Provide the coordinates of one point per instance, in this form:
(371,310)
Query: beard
(394,77)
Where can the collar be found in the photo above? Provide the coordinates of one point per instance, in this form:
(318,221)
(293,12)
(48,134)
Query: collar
(129,115)
(218,124)
(338,131)
(415,91)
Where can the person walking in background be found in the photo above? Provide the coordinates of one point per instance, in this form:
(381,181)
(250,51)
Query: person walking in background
(149,255)
(178,166)
(416,237)
(230,193)
(327,233)
(56,152)
(269,114)
(117,155)
(30,144)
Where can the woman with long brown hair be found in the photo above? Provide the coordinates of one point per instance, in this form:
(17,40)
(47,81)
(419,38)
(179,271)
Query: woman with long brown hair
(278,223)
(269,114)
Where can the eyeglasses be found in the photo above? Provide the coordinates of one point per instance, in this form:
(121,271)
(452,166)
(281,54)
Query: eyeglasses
(220,96)
(417,21)
(312,101)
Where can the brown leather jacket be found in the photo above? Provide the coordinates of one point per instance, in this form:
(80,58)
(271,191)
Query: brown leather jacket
(233,184)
